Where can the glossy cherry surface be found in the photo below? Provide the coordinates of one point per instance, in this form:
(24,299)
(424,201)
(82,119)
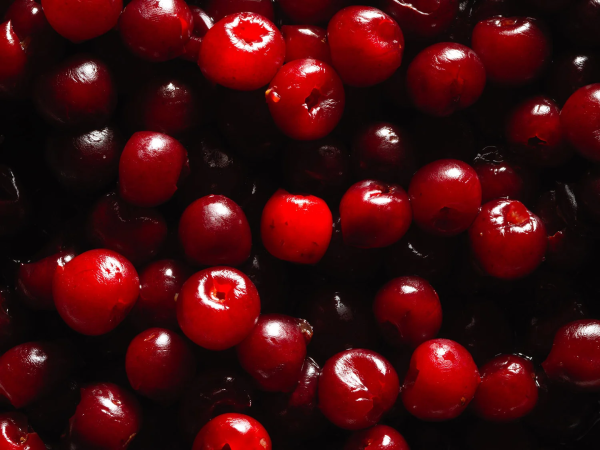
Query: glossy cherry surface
(95,291)
(422,19)
(501,177)
(14,57)
(379,437)
(218,9)
(306,42)
(356,388)
(578,121)
(233,431)
(366,45)
(16,434)
(217,308)
(27,18)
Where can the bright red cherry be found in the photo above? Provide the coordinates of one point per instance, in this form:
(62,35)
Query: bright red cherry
(507,239)
(107,417)
(151,165)
(374,214)
(156,31)
(306,42)
(579,124)
(214,230)
(574,358)
(441,380)
(380,437)
(219,9)
(16,433)
(80,21)
(233,431)
(159,364)
(217,308)
(408,311)
(306,99)
(514,50)
(366,45)
(445,78)
(422,19)
(356,388)
(275,350)
(508,389)
(14,58)
(296,228)
(243,51)
(310,11)
(445,196)
(95,291)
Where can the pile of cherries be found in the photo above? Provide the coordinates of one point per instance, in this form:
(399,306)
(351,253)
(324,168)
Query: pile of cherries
(299,224)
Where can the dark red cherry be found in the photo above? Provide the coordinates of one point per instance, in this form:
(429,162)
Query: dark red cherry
(275,350)
(233,431)
(14,59)
(217,308)
(356,388)
(569,72)
(16,433)
(379,437)
(202,23)
(218,9)
(441,381)
(95,291)
(422,19)
(306,42)
(366,45)
(578,122)
(27,18)
(310,11)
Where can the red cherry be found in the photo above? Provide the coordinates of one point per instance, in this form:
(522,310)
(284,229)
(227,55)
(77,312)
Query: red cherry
(218,307)
(233,431)
(27,18)
(296,228)
(14,58)
(422,19)
(578,121)
(219,9)
(305,42)
(380,437)
(95,291)
(16,433)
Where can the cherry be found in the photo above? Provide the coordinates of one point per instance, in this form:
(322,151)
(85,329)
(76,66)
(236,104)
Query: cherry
(213,230)
(159,364)
(507,239)
(441,381)
(366,45)
(577,119)
(243,51)
(202,23)
(81,21)
(217,308)
(107,417)
(160,284)
(95,291)
(218,9)
(14,59)
(379,437)
(78,92)
(514,50)
(422,19)
(508,389)
(356,388)
(310,11)
(16,434)
(306,99)
(374,214)
(569,72)
(274,351)
(445,196)
(27,18)
(34,280)
(156,31)
(305,42)
(233,431)
(408,311)
(573,358)
(85,161)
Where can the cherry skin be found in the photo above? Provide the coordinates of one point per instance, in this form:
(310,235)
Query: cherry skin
(81,21)
(156,31)
(107,417)
(214,230)
(217,308)
(356,388)
(150,167)
(218,9)
(310,11)
(233,431)
(95,291)
(274,351)
(243,51)
(500,177)
(374,214)
(136,233)
(507,240)
(508,389)
(16,433)
(574,356)
(578,119)
(379,437)
(441,380)
(534,131)
(445,78)
(160,284)
(78,92)
(408,311)
(159,364)
(14,59)
(514,50)
(296,228)
(202,23)
(305,42)
(27,18)
(366,45)
(422,19)
(306,99)
(445,196)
